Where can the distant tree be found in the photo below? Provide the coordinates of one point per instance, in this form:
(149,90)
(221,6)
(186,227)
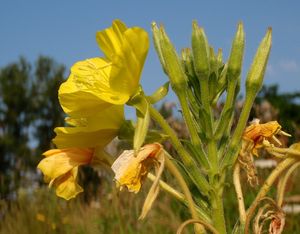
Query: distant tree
(29,111)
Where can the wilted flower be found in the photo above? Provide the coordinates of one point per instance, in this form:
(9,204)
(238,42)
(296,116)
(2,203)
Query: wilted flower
(131,168)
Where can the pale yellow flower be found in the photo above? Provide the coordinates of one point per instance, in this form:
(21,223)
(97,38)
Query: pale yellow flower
(131,168)
(97,83)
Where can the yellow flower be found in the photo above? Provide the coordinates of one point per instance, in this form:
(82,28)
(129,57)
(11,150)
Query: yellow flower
(92,131)
(77,146)
(97,83)
(60,167)
(131,169)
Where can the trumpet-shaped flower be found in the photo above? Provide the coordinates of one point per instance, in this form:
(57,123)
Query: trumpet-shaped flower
(97,83)
(60,167)
(77,146)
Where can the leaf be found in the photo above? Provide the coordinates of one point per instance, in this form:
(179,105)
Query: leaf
(142,125)
(223,123)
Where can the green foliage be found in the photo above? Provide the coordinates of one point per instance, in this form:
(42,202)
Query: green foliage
(28,113)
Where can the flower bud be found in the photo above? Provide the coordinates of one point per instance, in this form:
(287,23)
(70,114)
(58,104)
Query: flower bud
(257,70)
(236,55)
(187,61)
(169,58)
(157,46)
(200,51)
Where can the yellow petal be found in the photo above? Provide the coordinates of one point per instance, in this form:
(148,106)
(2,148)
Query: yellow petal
(67,186)
(98,130)
(128,64)
(110,40)
(58,162)
(80,137)
(77,102)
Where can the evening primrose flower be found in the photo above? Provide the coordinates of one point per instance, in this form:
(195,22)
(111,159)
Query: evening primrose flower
(97,83)
(131,168)
(79,144)
(60,167)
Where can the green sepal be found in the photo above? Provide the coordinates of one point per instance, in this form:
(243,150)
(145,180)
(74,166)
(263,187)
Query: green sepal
(141,128)
(159,94)
(140,103)
(126,133)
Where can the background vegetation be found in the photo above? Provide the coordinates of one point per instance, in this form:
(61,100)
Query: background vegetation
(29,111)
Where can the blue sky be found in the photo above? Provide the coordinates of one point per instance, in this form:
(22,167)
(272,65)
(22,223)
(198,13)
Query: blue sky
(65,30)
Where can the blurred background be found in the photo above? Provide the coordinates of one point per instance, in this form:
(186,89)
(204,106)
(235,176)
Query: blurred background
(40,40)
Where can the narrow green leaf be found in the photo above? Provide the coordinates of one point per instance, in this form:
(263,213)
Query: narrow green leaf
(142,125)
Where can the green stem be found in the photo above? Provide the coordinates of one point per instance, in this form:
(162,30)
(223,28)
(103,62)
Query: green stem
(266,187)
(272,177)
(189,121)
(179,196)
(283,182)
(229,103)
(218,211)
(188,161)
(234,145)
(239,194)
(213,156)
(173,169)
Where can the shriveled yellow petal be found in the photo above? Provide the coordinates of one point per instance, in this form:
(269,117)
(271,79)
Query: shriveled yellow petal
(67,186)
(131,169)
(59,162)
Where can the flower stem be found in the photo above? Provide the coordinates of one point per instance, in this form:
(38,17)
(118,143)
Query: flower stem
(173,169)
(189,121)
(188,161)
(239,194)
(234,144)
(283,182)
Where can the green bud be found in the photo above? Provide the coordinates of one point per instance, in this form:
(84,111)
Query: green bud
(220,57)
(157,45)
(187,60)
(256,73)
(200,51)
(173,65)
(236,55)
